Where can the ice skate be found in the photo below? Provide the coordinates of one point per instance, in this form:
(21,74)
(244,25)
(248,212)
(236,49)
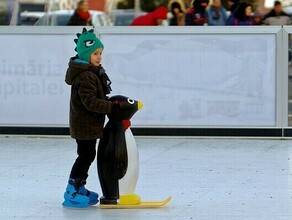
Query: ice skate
(73,197)
(93,196)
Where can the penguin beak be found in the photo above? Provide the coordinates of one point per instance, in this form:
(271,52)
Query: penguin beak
(140,105)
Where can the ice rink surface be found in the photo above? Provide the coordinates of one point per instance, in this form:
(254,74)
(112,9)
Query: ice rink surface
(207,179)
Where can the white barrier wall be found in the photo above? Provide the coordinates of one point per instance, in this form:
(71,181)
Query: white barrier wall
(32,87)
(196,79)
(206,77)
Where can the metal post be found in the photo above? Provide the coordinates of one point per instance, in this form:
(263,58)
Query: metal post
(137,8)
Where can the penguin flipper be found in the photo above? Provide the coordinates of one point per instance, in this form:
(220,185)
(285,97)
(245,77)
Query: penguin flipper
(120,160)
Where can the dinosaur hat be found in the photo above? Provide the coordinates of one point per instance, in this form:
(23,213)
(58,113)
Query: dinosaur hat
(86,44)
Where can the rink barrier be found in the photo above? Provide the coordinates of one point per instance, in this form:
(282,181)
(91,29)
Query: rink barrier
(276,127)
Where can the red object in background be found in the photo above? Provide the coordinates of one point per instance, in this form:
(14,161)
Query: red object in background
(151,18)
(83,15)
(96,4)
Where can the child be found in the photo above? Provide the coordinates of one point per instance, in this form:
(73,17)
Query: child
(88,106)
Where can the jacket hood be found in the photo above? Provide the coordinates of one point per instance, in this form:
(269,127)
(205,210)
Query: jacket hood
(74,70)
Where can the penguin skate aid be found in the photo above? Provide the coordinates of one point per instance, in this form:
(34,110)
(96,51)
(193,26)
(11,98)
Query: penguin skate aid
(118,159)
(89,104)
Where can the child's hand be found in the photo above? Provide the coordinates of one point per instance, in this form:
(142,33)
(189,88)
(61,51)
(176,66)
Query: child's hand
(116,103)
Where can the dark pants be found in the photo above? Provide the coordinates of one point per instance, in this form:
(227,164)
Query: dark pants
(86,150)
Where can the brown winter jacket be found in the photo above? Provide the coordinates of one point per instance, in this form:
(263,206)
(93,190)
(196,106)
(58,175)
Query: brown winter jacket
(88,104)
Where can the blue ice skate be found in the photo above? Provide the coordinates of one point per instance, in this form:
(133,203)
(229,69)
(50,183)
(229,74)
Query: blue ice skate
(93,196)
(73,197)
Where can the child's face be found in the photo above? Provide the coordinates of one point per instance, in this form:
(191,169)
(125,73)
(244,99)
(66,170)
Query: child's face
(96,56)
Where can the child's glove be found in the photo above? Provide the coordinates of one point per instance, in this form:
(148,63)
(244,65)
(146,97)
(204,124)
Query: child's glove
(115,102)
(115,105)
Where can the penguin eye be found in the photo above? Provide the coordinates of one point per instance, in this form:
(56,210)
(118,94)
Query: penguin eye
(131,101)
(89,43)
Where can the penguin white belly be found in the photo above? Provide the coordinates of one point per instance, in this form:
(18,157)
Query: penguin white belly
(128,183)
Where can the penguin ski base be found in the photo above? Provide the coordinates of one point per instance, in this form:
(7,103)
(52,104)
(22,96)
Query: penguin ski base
(150,204)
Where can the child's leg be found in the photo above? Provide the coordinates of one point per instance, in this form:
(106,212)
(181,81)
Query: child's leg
(86,150)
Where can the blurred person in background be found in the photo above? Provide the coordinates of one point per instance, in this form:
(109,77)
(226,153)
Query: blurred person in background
(197,14)
(241,15)
(153,18)
(217,14)
(177,10)
(233,4)
(258,18)
(277,16)
(81,15)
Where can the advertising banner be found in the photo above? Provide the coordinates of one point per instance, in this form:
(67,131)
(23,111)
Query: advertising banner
(182,79)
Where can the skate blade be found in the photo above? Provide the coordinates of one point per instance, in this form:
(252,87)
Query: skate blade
(71,205)
(145,205)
